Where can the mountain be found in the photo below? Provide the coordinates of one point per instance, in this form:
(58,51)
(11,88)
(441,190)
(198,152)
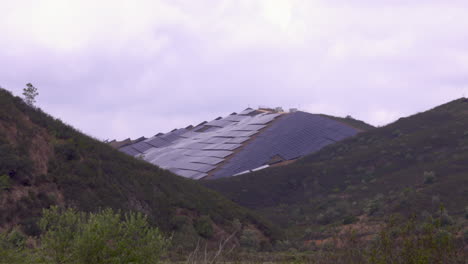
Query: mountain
(416,165)
(241,142)
(45,162)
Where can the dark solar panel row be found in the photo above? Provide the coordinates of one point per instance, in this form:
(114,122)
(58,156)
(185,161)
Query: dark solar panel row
(235,118)
(142,146)
(205,160)
(248,127)
(237,140)
(247,111)
(157,142)
(219,123)
(130,151)
(222,146)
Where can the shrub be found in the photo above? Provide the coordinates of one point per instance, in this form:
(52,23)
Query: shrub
(330,215)
(349,219)
(67,151)
(204,227)
(11,246)
(250,239)
(104,237)
(429,177)
(179,221)
(445,218)
(4,182)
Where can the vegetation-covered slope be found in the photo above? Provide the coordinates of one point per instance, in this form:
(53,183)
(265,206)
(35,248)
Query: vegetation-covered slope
(415,165)
(44,162)
(358,124)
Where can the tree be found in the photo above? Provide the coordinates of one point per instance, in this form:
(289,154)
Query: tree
(30,93)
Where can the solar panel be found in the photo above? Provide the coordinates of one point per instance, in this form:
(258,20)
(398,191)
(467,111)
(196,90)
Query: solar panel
(194,166)
(205,160)
(222,146)
(294,135)
(193,154)
(214,140)
(218,123)
(237,140)
(130,151)
(248,127)
(157,142)
(247,111)
(142,146)
(235,118)
(263,119)
(195,145)
(211,153)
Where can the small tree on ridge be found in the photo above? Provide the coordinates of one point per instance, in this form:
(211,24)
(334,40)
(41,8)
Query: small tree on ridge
(30,93)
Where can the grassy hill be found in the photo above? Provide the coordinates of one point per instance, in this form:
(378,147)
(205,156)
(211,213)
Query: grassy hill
(417,165)
(358,124)
(45,162)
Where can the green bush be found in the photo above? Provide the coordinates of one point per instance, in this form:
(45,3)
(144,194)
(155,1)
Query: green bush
(250,239)
(204,226)
(104,237)
(67,151)
(444,218)
(13,250)
(4,182)
(349,219)
(429,177)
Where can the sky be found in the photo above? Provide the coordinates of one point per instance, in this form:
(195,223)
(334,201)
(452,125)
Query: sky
(129,68)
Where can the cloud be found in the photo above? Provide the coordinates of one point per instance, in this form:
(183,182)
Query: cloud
(123,68)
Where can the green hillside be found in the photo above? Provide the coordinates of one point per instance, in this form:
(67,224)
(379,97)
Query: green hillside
(45,162)
(358,124)
(415,166)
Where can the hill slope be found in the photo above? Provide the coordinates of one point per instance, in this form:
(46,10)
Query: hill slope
(45,162)
(413,165)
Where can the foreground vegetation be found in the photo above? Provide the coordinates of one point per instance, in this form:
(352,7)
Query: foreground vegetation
(69,236)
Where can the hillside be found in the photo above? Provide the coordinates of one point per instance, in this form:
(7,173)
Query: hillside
(413,166)
(45,162)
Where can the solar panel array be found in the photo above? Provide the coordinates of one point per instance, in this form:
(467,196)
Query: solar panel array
(292,136)
(195,152)
(239,142)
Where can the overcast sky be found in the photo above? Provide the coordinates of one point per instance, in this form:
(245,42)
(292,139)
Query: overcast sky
(117,69)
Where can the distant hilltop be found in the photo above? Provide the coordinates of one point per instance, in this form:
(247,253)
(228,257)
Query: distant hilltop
(241,142)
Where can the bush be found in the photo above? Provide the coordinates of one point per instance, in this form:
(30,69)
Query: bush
(204,227)
(250,239)
(67,151)
(429,177)
(445,218)
(104,237)
(4,182)
(349,219)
